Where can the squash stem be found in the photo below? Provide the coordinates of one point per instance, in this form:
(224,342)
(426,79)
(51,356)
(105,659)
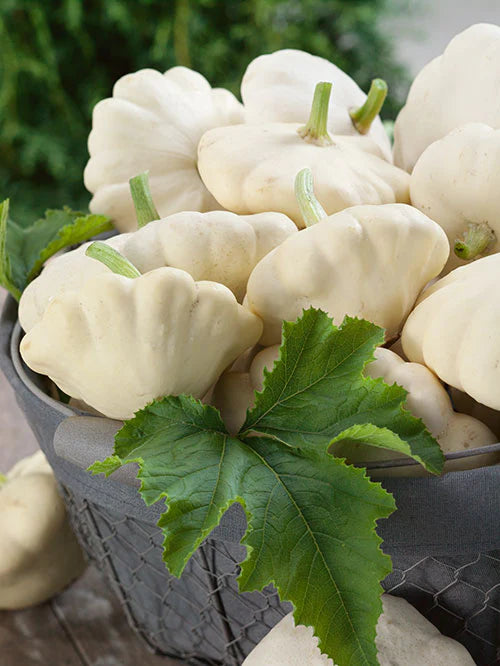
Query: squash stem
(363,117)
(3,479)
(311,209)
(316,129)
(475,241)
(112,259)
(143,201)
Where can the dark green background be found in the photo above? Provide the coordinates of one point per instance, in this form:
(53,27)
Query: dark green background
(58,58)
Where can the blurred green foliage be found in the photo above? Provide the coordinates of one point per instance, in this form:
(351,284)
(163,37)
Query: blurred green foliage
(59,57)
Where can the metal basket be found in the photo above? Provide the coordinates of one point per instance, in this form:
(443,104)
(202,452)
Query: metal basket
(444,541)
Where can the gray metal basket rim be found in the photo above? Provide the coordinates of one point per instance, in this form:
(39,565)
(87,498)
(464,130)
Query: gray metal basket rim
(19,365)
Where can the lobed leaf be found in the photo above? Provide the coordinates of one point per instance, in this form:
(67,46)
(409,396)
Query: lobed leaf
(311,517)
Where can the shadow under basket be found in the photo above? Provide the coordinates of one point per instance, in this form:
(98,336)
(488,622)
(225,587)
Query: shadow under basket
(444,541)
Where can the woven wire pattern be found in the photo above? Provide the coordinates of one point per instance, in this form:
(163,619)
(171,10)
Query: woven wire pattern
(201,618)
(459,595)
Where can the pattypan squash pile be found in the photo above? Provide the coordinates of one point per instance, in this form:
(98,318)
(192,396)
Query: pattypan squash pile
(272,252)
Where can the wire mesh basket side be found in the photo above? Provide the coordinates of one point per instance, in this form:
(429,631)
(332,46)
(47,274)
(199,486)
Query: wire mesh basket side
(460,595)
(201,617)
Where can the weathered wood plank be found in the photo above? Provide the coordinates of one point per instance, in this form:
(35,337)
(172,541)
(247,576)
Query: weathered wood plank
(34,637)
(98,627)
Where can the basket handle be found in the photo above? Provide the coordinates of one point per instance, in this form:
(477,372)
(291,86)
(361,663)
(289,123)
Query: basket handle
(81,440)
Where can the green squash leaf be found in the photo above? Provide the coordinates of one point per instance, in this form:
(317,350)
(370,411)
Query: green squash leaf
(311,517)
(24,250)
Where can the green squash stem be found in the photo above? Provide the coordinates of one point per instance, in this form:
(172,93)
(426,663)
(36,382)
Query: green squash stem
(112,259)
(363,117)
(143,201)
(311,209)
(475,241)
(316,129)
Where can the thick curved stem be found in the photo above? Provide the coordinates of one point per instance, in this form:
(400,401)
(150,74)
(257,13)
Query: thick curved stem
(363,117)
(311,209)
(316,129)
(112,259)
(475,241)
(3,479)
(143,201)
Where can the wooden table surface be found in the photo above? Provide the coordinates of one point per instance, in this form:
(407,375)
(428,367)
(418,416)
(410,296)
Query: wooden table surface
(83,626)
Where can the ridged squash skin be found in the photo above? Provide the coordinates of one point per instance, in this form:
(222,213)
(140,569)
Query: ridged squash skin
(217,246)
(454,328)
(39,555)
(370,262)
(458,87)
(252,169)
(456,182)
(119,343)
(234,393)
(278,88)
(153,122)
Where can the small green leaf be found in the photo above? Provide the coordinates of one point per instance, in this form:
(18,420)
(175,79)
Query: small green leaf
(24,250)
(107,466)
(56,231)
(317,390)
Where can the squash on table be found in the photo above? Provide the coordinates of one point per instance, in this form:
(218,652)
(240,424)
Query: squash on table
(39,555)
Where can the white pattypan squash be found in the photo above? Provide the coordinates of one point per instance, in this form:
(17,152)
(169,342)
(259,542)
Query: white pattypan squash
(234,393)
(217,246)
(278,88)
(252,168)
(466,405)
(119,343)
(454,330)
(62,273)
(39,554)
(154,122)
(456,182)
(458,87)
(368,261)
(404,638)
